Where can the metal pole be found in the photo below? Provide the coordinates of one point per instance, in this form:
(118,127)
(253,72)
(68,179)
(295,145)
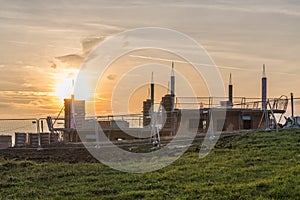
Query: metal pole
(230,94)
(42,126)
(292,105)
(38,132)
(230,91)
(173,87)
(267,115)
(152,94)
(264,89)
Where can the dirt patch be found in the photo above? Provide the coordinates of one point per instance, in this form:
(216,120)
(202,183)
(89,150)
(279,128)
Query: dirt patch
(66,153)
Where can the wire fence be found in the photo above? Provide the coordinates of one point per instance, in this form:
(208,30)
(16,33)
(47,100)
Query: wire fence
(28,125)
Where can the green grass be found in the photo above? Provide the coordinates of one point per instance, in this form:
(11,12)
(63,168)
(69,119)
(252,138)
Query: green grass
(249,166)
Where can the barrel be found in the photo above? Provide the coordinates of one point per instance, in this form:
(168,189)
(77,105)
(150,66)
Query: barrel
(53,138)
(5,141)
(20,139)
(45,138)
(33,139)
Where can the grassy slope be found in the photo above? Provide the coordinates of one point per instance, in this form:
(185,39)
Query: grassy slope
(260,166)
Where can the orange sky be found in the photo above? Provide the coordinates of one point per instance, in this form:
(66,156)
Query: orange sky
(43,44)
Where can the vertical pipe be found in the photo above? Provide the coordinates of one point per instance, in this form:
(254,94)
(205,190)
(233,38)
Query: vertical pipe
(264,89)
(72,120)
(42,126)
(38,132)
(152,94)
(173,87)
(72,108)
(173,99)
(72,125)
(230,91)
(292,105)
(153,122)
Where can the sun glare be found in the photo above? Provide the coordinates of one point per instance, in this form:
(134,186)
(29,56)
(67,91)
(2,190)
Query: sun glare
(64,86)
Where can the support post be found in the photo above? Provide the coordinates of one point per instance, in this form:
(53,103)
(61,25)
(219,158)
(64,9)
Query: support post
(264,89)
(38,132)
(230,91)
(292,105)
(173,87)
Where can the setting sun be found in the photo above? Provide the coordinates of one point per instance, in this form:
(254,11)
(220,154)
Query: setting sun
(64,87)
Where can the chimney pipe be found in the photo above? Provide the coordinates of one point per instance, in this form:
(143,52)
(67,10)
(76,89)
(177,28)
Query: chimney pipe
(230,91)
(173,87)
(152,93)
(264,89)
(292,105)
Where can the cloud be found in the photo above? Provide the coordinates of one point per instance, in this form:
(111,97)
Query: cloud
(27,103)
(239,68)
(88,44)
(29,67)
(69,58)
(27,85)
(75,60)
(72,60)
(273,7)
(101,99)
(111,77)
(53,65)
(20,42)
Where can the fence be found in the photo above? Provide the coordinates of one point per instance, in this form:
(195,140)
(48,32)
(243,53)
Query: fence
(29,125)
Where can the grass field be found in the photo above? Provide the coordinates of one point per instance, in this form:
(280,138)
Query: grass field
(248,166)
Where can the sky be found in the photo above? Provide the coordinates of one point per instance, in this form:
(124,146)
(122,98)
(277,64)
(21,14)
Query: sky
(44,44)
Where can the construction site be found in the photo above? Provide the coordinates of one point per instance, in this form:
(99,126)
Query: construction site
(159,121)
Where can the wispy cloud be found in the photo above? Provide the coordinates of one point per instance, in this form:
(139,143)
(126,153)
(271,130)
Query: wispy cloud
(20,42)
(168,60)
(75,60)
(267,7)
(52,65)
(27,103)
(88,44)
(111,77)
(241,68)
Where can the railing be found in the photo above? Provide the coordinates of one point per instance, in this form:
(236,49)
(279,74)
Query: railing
(33,125)
(222,102)
(133,120)
(26,125)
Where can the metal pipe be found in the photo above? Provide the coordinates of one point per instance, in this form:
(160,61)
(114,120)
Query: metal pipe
(173,87)
(152,93)
(230,91)
(264,89)
(292,105)
(38,132)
